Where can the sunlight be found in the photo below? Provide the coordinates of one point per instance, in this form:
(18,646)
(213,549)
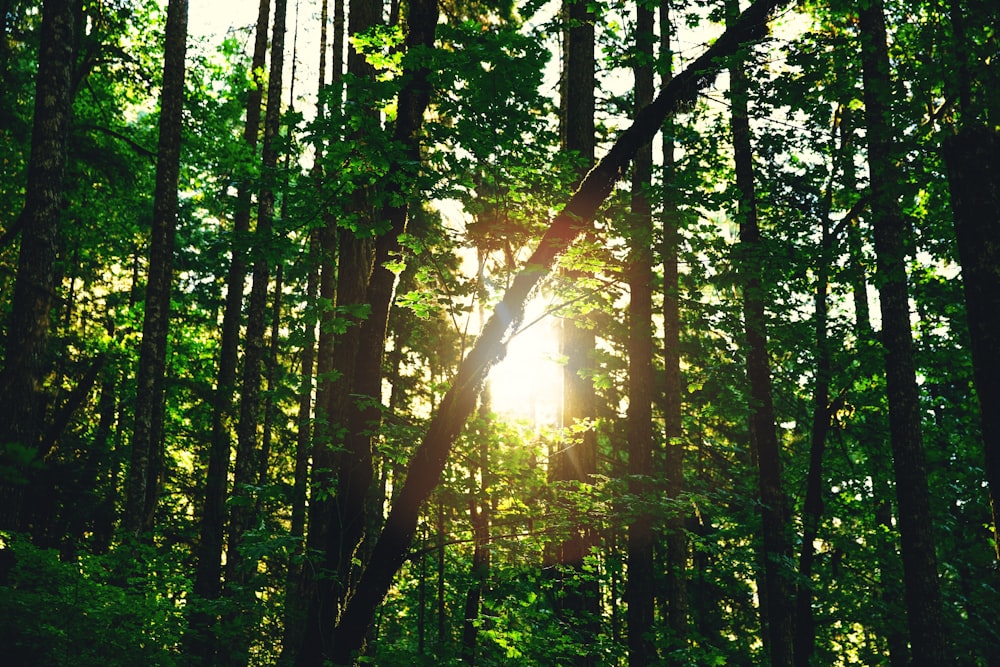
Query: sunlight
(527,384)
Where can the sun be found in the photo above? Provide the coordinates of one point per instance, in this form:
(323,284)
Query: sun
(527,384)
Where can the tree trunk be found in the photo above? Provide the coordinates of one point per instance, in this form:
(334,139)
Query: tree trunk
(639,587)
(147,437)
(577,603)
(479,517)
(26,357)
(335,527)
(322,452)
(208,572)
(805,628)
(247,454)
(293,592)
(364,278)
(676,538)
(922,591)
(974,179)
(886,622)
(776,599)
(392,548)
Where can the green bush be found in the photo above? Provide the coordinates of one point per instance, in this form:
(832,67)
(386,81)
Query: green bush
(92,611)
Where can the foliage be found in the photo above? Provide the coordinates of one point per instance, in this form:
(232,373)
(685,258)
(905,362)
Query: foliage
(488,178)
(97,610)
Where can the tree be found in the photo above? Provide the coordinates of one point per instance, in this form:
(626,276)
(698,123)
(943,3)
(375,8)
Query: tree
(576,459)
(144,469)
(976,205)
(675,593)
(777,610)
(639,587)
(208,574)
(922,591)
(26,359)
(390,550)
(366,279)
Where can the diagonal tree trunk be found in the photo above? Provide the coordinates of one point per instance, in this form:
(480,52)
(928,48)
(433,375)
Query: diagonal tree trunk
(392,548)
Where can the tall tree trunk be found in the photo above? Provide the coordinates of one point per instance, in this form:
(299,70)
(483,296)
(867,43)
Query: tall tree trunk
(805,629)
(26,357)
(322,452)
(271,378)
(392,548)
(365,416)
(364,278)
(208,572)
(639,587)
(479,517)
(576,460)
(886,622)
(350,471)
(319,283)
(974,179)
(922,591)
(293,592)
(247,454)
(676,538)
(148,435)
(777,605)
(243,512)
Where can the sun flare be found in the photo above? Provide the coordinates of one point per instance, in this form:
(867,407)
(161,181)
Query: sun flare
(527,384)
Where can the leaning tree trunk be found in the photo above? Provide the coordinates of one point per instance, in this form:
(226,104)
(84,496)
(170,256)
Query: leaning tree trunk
(140,488)
(392,548)
(922,590)
(639,586)
(28,329)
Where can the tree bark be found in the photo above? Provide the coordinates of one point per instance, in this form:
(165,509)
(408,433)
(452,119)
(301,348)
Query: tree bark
(364,278)
(423,473)
(922,590)
(805,628)
(676,537)
(26,358)
(639,586)
(974,179)
(208,572)
(140,490)
(576,459)
(238,569)
(479,517)
(776,601)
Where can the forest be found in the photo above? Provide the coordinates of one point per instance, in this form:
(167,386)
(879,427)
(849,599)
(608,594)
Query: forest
(499,332)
